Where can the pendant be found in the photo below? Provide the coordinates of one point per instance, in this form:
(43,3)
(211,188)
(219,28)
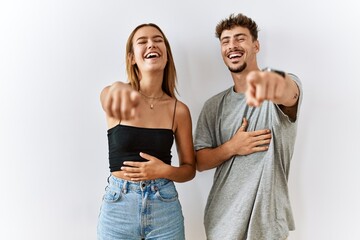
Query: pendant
(151,106)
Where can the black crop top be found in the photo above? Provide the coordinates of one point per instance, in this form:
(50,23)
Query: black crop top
(126,143)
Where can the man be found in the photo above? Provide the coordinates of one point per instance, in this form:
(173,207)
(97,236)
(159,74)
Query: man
(247,133)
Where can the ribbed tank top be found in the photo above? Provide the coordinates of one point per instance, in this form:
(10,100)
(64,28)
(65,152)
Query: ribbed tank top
(126,142)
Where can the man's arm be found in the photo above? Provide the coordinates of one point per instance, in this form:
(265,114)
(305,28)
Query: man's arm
(208,158)
(291,100)
(272,86)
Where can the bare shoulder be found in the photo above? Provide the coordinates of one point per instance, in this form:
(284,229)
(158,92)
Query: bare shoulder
(182,117)
(182,110)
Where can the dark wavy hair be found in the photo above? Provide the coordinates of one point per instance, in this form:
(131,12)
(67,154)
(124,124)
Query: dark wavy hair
(237,20)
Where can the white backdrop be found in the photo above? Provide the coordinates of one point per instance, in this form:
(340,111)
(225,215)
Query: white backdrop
(56,56)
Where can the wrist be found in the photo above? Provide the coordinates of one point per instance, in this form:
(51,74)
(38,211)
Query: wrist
(228,149)
(268,69)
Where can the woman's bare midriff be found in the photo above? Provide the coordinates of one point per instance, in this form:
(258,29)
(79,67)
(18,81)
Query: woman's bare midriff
(120,174)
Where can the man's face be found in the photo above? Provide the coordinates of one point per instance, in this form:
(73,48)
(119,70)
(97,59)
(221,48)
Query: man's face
(238,49)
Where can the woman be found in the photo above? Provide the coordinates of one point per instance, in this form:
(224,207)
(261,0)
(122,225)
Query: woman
(143,118)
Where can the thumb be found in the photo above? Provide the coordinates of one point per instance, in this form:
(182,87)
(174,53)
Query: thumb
(135,98)
(243,125)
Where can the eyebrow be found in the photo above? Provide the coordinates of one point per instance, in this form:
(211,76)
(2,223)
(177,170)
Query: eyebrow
(156,36)
(236,35)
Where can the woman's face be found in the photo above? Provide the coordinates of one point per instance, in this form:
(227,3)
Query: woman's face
(149,48)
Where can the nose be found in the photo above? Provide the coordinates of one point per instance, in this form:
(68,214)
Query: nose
(152,44)
(232,44)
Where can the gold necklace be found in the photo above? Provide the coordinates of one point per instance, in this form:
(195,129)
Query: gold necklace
(148,98)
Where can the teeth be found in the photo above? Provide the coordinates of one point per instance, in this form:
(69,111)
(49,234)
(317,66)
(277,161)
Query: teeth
(235,55)
(152,55)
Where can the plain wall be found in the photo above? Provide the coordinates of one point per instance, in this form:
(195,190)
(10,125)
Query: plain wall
(56,56)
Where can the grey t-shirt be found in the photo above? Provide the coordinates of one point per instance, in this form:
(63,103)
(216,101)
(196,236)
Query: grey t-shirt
(249,198)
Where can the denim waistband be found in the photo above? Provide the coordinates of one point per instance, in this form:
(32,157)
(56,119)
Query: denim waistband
(126,185)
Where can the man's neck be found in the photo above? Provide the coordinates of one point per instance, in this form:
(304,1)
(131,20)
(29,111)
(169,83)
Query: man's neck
(239,79)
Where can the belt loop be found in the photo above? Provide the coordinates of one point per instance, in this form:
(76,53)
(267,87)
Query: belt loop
(124,187)
(108,179)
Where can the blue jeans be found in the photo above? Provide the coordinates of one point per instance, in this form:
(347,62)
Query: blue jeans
(140,210)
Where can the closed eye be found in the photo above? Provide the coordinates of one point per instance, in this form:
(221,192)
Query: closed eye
(158,39)
(224,42)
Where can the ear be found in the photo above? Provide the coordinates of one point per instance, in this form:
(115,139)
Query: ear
(257,46)
(131,58)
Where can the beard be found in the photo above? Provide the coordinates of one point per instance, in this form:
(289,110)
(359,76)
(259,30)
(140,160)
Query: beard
(238,69)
